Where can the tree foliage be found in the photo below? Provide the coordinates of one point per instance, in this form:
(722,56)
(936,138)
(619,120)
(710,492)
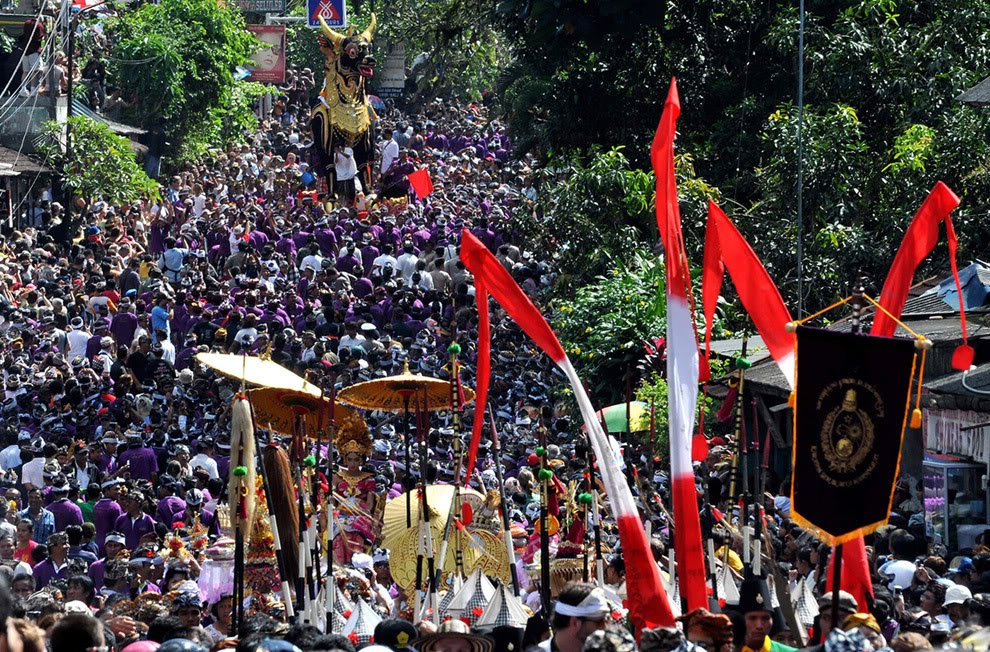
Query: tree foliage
(99,162)
(881,125)
(184,54)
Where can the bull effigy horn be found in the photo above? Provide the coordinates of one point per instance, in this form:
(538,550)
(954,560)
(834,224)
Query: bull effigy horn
(334,37)
(369,31)
(350,30)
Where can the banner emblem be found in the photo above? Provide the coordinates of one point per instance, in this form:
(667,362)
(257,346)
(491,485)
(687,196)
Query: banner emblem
(851,405)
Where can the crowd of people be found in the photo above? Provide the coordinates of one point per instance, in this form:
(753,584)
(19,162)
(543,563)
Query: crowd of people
(116,450)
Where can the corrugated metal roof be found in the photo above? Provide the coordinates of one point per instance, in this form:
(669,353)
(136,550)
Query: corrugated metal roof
(78,108)
(12,165)
(978,95)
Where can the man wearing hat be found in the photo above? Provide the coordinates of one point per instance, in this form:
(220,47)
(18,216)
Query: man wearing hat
(454,636)
(106,511)
(65,511)
(113,544)
(711,631)
(82,470)
(847,607)
(204,457)
(580,610)
(755,606)
(133,523)
(194,510)
(141,460)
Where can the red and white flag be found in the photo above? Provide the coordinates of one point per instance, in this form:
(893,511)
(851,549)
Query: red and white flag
(682,361)
(727,249)
(647,602)
(919,240)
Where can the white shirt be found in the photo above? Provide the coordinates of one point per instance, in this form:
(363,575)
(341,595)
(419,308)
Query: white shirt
(347,341)
(344,165)
(382,261)
(168,353)
(235,242)
(315,261)
(34,472)
(82,475)
(406,265)
(389,153)
(202,460)
(77,343)
(10,457)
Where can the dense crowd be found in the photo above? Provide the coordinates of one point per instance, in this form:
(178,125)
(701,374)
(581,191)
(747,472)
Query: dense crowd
(116,450)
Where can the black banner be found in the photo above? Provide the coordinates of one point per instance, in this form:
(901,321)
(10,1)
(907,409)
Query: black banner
(849,418)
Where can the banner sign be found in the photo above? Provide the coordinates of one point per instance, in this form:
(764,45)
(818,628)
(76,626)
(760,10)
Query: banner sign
(851,407)
(268,63)
(262,6)
(334,12)
(393,73)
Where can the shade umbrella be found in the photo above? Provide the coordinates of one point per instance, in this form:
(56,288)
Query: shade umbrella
(277,409)
(257,371)
(438,497)
(615,417)
(395,393)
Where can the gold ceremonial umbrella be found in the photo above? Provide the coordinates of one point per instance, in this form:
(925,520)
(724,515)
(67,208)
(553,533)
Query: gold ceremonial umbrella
(495,558)
(398,393)
(404,551)
(279,407)
(256,371)
(438,496)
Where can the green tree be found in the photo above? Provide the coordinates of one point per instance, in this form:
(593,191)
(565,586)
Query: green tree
(99,163)
(184,55)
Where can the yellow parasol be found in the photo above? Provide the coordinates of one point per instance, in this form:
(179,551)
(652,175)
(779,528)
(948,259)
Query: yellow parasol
(438,496)
(494,561)
(405,548)
(256,371)
(278,408)
(398,393)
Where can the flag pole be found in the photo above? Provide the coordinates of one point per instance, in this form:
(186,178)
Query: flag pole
(857,304)
(544,530)
(506,526)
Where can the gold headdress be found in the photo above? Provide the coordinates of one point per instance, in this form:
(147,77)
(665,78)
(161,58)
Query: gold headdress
(353,436)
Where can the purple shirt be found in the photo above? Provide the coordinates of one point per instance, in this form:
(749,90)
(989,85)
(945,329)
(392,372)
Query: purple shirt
(66,513)
(134,529)
(168,508)
(143,461)
(122,328)
(45,572)
(96,570)
(105,515)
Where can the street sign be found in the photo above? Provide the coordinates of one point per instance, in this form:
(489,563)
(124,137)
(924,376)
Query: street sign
(262,6)
(393,76)
(334,12)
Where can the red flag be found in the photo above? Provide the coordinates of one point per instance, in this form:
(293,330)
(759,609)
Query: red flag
(920,239)
(648,602)
(484,372)
(725,248)
(421,182)
(682,362)
(855,572)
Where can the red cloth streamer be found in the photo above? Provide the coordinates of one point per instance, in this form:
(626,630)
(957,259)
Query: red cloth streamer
(649,603)
(725,248)
(855,572)
(499,283)
(683,368)
(484,373)
(919,240)
(421,182)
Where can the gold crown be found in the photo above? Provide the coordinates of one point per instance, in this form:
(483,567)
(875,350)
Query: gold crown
(353,436)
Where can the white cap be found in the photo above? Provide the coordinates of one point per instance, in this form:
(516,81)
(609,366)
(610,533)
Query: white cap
(956,594)
(76,607)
